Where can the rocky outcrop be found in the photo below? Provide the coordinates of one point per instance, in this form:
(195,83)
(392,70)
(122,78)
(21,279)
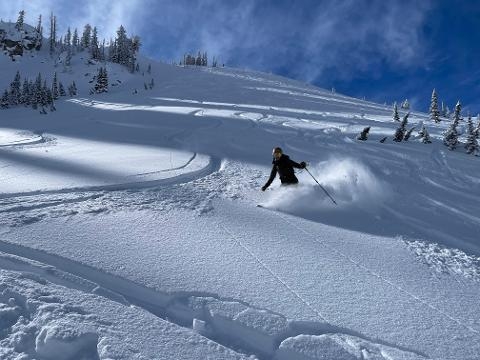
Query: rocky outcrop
(14,42)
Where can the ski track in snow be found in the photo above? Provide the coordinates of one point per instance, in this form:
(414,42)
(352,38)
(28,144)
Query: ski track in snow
(233,322)
(221,319)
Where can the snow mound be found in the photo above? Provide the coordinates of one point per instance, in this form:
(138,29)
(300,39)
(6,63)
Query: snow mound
(446,260)
(335,346)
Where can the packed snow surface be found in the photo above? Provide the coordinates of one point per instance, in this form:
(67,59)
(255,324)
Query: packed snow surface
(129,227)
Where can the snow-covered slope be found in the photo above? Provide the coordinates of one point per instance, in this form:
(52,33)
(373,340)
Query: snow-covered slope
(129,227)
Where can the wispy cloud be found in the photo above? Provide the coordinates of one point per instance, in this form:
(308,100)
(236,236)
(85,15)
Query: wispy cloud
(312,39)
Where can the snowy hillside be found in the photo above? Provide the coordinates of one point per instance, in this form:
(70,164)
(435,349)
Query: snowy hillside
(129,226)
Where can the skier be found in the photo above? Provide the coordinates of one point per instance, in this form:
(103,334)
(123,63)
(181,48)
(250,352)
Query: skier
(284,166)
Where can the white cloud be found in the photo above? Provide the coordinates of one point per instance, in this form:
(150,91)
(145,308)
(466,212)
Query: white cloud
(312,39)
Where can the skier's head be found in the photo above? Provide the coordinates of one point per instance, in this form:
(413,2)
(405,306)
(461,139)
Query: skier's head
(277,152)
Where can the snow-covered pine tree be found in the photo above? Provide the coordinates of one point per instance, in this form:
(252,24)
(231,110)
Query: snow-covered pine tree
(198,60)
(477,129)
(450,138)
(25,99)
(86,36)
(94,47)
(39,27)
(472,143)
(424,135)
(61,89)
(408,134)
(44,94)
(396,117)
(406,105)
(152,84)
(434,113)
(55,93)
(20,20)
(68,38)
(136,44)
(75,41)
(101,85)
(4,100)
(204,59)
(15,90)
(74,88)
(149,68)
(49,99)
(400,132)
(68,57)
(364,134)
(53,33)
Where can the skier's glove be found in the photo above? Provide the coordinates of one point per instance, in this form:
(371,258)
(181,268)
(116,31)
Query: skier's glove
(303,164)
(264,188)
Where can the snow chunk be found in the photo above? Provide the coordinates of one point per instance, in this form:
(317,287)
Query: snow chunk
(65,342)
(335,346)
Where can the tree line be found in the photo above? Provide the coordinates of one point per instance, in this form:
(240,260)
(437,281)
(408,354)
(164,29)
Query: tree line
(450,135)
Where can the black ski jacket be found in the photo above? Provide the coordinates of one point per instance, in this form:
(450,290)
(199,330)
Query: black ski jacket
(284,166)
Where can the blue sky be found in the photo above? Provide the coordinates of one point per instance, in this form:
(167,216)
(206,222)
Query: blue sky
(384,51)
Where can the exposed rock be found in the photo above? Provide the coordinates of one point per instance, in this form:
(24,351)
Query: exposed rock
(14,42)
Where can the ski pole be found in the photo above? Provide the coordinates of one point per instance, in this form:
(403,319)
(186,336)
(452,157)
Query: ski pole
(326,192)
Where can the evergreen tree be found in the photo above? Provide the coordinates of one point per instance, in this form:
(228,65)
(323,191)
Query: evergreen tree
(94,48)
(136,44)
(450,138)
(55,93)
(44,94)
(68,57)
(68,38)
(39,27)
(50,100)
(364,134)
(152,84)
(86,36)
(477,129)
(472,135)
(408,134)
(4,100)
(406,105)
(124,50)
(53,33)
(400,132)
(149,69)
(15,91)
(72,89)
(20,20)
(101,85)
(25,93)
(75,41)
(425,136)
(434,113)
(198,61)
(61,89)
(396,117)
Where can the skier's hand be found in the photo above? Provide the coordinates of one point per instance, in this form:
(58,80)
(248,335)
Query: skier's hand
(264,188)
(303,164)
